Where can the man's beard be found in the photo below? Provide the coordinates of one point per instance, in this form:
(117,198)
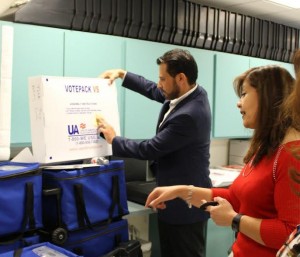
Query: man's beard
(175,92)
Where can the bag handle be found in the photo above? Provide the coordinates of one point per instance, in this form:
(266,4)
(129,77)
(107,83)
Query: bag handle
(56,192)
(18,252)
(30,206)
(115,198)
(29,214)
(82,216)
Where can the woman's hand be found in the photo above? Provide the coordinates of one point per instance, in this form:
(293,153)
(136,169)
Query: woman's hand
(157,198)
(223,213)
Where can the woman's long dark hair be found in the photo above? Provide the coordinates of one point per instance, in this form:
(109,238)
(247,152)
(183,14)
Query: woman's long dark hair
(291,112)
(273,85)
(291,108)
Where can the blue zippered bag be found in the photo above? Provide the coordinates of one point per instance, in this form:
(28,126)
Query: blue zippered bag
(99,240)
(20,199)
(42,249)
(26,240)
(86,195)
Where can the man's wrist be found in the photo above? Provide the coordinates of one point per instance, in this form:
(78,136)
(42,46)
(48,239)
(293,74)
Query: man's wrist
(122,73)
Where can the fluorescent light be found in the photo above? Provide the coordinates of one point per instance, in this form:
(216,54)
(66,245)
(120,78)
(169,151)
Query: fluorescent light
(288,3)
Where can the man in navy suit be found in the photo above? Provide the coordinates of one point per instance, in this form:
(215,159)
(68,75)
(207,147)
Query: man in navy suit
(180,148)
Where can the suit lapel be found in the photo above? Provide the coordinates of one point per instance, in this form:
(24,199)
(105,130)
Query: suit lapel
(166,106)
(163,110)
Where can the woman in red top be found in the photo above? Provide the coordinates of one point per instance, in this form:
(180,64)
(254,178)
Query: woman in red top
(260,204)
(291,248)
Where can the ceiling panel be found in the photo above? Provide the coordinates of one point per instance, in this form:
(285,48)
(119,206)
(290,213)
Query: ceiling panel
(261,9)
(258,8)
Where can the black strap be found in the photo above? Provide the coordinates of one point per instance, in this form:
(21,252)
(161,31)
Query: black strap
(18,252)
(82,217)
(78,251)
(28,215)
(118,240)
(115,198)
(30,205)
(29,208)
(132,248)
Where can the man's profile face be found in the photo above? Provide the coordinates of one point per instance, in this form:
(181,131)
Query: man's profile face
(167,84)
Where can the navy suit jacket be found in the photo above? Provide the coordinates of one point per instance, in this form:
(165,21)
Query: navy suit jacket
(180,148)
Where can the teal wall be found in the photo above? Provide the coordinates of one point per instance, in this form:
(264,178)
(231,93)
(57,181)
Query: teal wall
(35,52)
(57,52)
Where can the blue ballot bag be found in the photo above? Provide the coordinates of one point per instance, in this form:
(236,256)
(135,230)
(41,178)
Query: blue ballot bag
(20,200)
(83,206)
(26,240)
(45,249)
(80,196)
(98,240)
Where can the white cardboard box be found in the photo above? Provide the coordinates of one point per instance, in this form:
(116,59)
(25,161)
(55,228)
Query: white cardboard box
(63,117)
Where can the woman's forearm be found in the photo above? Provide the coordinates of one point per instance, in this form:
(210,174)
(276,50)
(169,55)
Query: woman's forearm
(194,195)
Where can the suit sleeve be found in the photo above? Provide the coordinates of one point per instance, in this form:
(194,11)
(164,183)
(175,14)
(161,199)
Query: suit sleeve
(176,135)
(143,86)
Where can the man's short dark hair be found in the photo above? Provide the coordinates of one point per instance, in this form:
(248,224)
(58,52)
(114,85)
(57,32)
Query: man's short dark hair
(180,61)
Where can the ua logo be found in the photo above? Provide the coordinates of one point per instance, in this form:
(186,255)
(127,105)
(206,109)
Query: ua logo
(73,129)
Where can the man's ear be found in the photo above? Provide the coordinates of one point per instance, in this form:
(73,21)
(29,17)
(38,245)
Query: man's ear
(180,78)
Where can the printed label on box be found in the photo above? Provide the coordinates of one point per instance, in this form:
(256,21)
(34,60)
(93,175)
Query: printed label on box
(63,117)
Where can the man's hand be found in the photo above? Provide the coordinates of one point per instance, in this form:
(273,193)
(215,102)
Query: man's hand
(107,130)
(113,74)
